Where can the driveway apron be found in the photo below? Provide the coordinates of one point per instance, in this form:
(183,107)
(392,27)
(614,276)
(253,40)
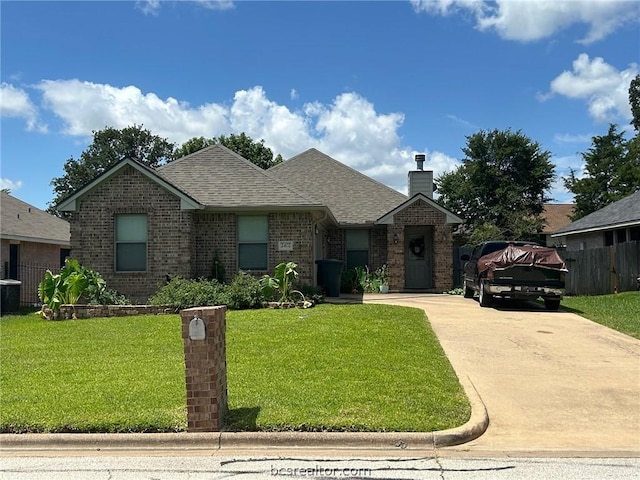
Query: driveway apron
(551,381)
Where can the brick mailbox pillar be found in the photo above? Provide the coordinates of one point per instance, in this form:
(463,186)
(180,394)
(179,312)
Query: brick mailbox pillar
(206,367)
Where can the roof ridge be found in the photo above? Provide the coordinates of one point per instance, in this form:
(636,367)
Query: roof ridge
(338,162)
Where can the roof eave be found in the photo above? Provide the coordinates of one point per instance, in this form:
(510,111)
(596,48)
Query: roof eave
(23,238)
(596,229)
(387,218)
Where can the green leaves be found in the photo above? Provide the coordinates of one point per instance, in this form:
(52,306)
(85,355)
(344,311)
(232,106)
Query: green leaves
(68,286)
(501,185)
(282,281)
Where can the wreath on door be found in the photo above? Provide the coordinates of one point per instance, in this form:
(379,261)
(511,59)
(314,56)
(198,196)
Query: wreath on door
(416,246)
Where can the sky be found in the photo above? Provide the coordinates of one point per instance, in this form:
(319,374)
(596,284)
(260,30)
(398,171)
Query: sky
(370,83)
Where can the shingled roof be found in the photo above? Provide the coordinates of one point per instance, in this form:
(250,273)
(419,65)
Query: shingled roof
(21,221)
(220,178)
(623,213)
(352,197)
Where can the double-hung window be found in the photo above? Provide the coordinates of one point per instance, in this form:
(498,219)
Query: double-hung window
(253,240)
(357,243)
(131,242)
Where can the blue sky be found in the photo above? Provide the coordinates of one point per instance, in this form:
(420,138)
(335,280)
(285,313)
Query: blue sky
(369,83)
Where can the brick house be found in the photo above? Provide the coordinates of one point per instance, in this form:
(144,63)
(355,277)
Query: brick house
(31,241)
(136,225)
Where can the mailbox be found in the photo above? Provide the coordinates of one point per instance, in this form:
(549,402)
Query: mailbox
(196,328)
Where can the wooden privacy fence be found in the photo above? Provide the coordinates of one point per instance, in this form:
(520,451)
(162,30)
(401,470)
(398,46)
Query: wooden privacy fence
(599,271)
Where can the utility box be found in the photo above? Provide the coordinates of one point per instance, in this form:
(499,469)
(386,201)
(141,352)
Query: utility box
(329,276)
(10,296)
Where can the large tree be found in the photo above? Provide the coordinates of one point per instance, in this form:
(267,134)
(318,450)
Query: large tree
(254,151)
(611,172)
(109,146)
(501,186)
(634,102)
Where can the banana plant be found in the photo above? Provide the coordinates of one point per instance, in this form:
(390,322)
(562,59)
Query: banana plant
(282,281)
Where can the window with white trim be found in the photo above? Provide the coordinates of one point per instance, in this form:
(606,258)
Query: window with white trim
(131,242)
(357,248)
(253,241)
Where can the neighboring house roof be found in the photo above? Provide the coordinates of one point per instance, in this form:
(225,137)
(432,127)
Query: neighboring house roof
(24,222)
(620,214)
(70,203)
(221,179)
(556,216)
(388,217)
(352,197)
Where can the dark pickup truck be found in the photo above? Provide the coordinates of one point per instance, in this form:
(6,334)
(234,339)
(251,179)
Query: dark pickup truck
(517,270)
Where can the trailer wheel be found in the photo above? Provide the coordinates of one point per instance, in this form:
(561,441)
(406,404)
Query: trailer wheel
(484,298)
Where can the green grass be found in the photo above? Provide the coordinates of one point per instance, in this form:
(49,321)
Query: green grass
(100,375)
(620,311)
(340,367)
(346,368)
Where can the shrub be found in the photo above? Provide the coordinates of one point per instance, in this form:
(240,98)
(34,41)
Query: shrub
(182,293)
(244,292)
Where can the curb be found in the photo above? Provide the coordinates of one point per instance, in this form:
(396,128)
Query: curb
(472,429)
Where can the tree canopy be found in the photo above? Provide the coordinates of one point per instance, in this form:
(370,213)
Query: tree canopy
(254,151)
(611,172)
(501,186)
(109,146)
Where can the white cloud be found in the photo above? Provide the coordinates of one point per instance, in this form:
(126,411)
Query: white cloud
(530,20)
(293,94)
(572,138)
(152,7)
(216,4)
(149,7)
(15,102)
(605,89)
(348,129)
(10,184)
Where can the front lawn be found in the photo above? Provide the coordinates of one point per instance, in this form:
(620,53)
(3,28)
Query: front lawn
(349,367)
(620,311)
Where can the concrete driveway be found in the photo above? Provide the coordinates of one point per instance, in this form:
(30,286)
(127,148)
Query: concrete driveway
(551,381)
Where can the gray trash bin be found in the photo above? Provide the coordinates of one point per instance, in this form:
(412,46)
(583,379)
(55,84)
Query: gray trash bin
(10,296)
(329,276)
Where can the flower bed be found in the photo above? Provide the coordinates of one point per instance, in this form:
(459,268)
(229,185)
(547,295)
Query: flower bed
(93,311)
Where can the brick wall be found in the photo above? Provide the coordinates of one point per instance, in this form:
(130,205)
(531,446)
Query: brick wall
(378,247)
(421,213)
(205,370)
(215,232)
(298,228)
(169,232)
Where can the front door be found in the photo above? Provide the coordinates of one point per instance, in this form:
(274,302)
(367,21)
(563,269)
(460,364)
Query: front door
(418,257)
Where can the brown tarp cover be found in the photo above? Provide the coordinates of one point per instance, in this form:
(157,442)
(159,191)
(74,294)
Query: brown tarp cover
(531,255)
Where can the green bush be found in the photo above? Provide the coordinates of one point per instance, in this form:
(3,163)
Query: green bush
(244,292)
(182,293)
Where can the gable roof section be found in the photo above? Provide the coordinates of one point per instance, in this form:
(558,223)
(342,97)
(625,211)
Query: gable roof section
(221,179)
(351,196)
(556,216)
(623,213)
(387,219)
(24,222)
(70,204)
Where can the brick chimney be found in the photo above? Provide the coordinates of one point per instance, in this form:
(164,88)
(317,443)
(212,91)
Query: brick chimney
(421,181)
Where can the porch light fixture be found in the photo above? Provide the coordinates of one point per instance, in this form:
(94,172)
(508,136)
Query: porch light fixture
(395,238)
